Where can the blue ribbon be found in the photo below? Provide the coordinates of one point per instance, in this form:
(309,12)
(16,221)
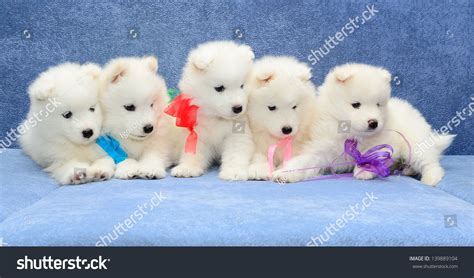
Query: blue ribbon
(112,147)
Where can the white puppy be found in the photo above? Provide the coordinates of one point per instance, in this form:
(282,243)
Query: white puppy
(281,104)
(133,97)
(63,122)
(355,102)
(214,77)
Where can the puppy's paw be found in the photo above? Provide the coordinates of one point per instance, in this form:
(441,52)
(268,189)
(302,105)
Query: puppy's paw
(72,176)
(101,173)
(147,171)
(282,177)
(186,171)
(233,174)
(127,169)
(432,176)
(259,171)
(363,175)
(408,171)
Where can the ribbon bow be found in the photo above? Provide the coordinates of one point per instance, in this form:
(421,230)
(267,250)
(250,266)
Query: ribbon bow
(112,147)
(287,151)
(374,160)
(185,114)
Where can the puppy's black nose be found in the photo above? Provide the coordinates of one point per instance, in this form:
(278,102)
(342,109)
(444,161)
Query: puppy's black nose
(237,109)
(373,124)
(87,133)
(287,130)
(148,129)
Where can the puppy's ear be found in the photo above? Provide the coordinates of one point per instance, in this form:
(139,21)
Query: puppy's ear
(304,73)
(201,59)
(342,75)
(247,52)
(386,75)
(92,69)
(42,88)
(151,62)
(265,76)
(116,71)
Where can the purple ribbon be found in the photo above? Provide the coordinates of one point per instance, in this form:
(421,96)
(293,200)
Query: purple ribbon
(374,160)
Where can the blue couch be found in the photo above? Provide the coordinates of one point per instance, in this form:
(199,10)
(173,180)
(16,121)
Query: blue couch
(425,44)
(206,211)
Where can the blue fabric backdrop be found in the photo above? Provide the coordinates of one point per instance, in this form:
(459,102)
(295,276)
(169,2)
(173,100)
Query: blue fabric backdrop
(427,45)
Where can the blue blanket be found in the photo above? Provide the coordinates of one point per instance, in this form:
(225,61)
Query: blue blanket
(397,211)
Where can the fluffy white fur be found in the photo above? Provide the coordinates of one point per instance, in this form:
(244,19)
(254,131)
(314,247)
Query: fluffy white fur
(61,137)
(283,85)
(144,131)
(370,86)
(209,68)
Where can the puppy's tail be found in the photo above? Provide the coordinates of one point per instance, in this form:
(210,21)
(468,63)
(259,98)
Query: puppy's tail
(443,141)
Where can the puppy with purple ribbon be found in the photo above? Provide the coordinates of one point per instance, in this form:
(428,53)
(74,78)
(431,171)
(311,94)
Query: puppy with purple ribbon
(354,103)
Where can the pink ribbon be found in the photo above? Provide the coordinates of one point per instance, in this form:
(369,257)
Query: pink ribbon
(287,152)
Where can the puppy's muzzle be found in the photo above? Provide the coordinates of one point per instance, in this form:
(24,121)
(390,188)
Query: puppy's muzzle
(373,124)
(237,109)
(286,130)
(87,133)
(148,129)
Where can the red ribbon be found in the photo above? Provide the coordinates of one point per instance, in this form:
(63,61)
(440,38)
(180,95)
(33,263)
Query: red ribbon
(185,114)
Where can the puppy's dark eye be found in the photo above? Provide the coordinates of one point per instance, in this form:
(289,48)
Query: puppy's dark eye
(294,107)
(67,114)
(272,108)
(219,89)
(356,105)
(92,108)
(242,86)
(151,105)
(129,107)
(378,105)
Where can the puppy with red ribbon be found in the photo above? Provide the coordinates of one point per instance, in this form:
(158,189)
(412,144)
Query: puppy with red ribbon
(211,108)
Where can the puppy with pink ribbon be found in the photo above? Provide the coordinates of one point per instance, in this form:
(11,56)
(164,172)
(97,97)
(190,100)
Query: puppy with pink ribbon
(281,110)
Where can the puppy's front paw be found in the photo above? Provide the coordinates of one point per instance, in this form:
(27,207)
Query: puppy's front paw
(408,171)
(127,169)
(186,171)
(363,175)
(101,173)
(282,177)
(72,176)
(259,171)
(233,174)
(432,176)
(147,171)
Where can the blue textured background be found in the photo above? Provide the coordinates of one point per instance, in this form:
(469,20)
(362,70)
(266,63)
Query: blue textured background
(427,45)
